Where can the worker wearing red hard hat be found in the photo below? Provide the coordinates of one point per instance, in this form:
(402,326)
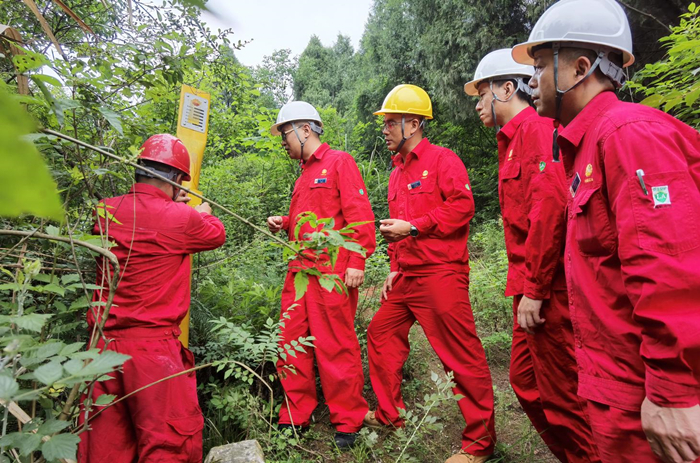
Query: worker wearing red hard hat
(330,186)
(532,194)
(154,233)
(430,205)
(633,239)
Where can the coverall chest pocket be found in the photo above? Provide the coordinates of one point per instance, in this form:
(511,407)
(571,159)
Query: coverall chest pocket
(511,186)
(423,198)
(594,232)
(322,191)
(666,218)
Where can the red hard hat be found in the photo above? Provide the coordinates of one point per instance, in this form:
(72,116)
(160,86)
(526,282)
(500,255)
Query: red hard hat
(169,150)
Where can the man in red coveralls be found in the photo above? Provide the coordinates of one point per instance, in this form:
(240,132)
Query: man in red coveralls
(532,191)
(430,204)
(633,239)
(154,233)
(330,185)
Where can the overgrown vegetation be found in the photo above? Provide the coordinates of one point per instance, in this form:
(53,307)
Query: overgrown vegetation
(114,79)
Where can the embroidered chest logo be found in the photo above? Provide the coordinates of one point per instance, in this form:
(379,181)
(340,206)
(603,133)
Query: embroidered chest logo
(324,171)
(662,197)
(510,155)
(425,174)
(413,185)
(589,172)
(320,180)
(542,166)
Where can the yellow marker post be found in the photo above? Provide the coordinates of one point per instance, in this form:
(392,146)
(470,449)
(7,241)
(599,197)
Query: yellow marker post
(192,129)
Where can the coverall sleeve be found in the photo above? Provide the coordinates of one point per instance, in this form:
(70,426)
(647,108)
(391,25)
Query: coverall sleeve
(659,249)
(203,232)
(355,207)
(285,223)
(458,205)
(546,213)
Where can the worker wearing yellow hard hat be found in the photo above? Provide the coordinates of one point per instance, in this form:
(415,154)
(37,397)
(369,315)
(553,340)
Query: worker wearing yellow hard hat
(430,205)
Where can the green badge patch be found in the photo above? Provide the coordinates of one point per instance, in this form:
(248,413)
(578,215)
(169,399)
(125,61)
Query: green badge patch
(362,192)
(542,165)
(468,187)
(662,196)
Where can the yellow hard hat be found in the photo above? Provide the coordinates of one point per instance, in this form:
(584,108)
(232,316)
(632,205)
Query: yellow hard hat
(407,99)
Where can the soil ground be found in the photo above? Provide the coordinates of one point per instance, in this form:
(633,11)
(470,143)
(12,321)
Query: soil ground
(517,439)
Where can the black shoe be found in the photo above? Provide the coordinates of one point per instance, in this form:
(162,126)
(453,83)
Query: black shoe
(345,440)
(289,429)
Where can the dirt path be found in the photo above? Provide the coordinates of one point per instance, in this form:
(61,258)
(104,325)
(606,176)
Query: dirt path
(517,440)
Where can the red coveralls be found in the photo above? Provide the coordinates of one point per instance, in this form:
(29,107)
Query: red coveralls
(543,369)
(632,260)
(330,185)
(431,190)
(154,237)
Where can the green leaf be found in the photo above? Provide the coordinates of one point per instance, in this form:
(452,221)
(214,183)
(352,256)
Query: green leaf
(327,283)
(105,399)
(48,79)
(27,443)
(113,118)
(54,288)
(72,348)
(60,446)
(52,427)
(27,186)
(48,350)
(301,282)
(8,387)
(654,100)
(103,364)
(32,322)
(49,373)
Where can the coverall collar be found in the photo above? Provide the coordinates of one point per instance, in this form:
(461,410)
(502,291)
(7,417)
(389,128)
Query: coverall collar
(423,146)
(317,155)
(511,128)
(577,128)
(151,190)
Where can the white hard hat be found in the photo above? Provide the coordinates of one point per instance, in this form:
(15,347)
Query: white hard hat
(498,63)
(296,111)
(595,24)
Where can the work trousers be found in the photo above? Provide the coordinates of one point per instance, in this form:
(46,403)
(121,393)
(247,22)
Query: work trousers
(440,303)
(544,377)
(160,423)
(330,318)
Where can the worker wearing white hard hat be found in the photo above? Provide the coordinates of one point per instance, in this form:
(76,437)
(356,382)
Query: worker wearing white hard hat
(633,245)
(330,186)
(532,196)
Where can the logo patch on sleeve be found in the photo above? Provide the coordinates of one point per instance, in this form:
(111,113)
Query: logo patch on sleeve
(662,197)
(542,166)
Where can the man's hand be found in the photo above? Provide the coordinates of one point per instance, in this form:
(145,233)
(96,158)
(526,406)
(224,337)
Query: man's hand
(182,197)
(394,230)
(673,433)
(388,284)
(529,314)
(203,208)
(354,278)
(274,223)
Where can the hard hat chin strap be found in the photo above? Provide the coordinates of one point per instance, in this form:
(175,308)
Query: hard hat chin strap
(495,98)
(610,70)
(404,138)
(302,143)
(171,174)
